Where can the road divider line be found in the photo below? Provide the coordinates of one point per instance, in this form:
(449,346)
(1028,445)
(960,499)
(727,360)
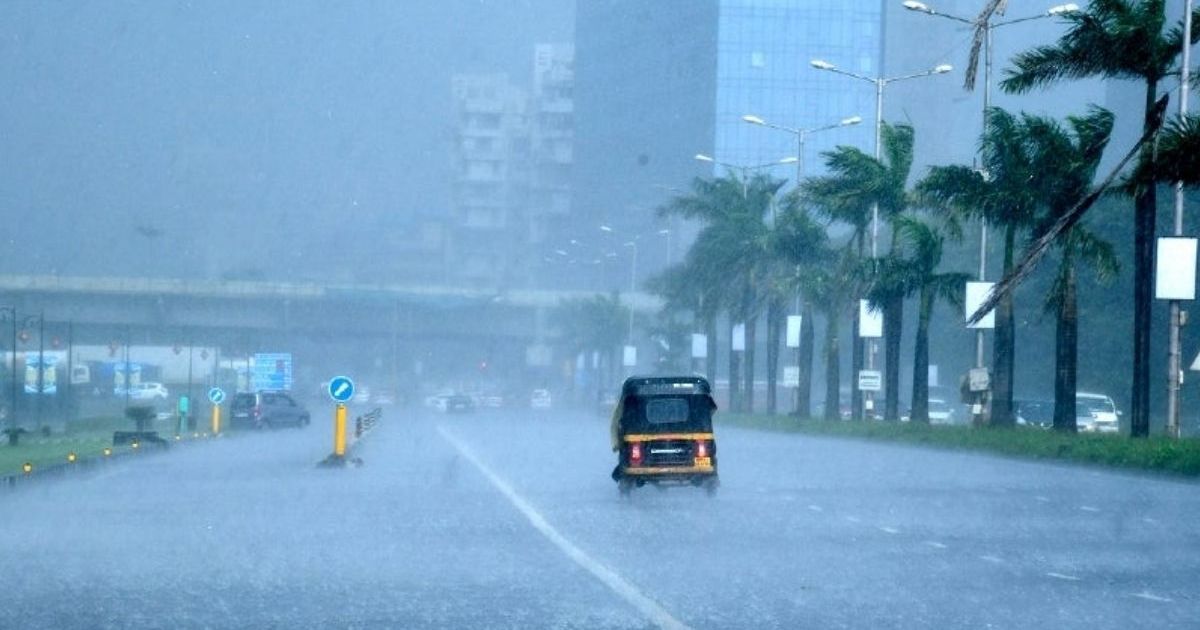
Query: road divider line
(815,508)
(1060,576)
(935,544)
(889,530)
(1147,595)
(610,578)
(1088,508)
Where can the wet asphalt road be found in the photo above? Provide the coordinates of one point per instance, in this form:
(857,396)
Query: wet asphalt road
(510,520)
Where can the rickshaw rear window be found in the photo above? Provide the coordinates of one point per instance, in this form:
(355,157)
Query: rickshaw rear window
(667,411)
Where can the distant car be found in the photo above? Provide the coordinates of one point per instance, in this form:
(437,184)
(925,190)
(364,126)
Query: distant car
(267,410)
(458,403)
(1035,413)
(1096,413)
(540,399)
(940,412)
(148,391)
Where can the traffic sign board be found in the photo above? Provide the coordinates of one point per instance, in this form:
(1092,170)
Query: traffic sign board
(870,380)
(216,395)
(341,388)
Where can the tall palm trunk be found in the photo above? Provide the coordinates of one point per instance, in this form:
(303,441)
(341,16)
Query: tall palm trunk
(1145,208)
(748,369)
(735,373)
(856,353)
(893,324)
(805,353)
(1066,351)
(920,384)
(710,361)
(774,319)
(1004,345)
(833,368)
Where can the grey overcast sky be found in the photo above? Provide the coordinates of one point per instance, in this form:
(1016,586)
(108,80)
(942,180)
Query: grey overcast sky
(209,129)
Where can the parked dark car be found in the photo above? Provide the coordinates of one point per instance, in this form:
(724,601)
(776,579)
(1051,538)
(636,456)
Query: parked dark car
(1035,413)
(267,410)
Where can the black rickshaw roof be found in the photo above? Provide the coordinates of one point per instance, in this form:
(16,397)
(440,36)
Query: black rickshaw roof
(665,386)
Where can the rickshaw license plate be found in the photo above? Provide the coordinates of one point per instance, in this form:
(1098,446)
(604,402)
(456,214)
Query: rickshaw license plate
(704,462)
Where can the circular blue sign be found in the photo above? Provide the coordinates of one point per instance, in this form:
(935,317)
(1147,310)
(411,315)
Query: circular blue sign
(216,395)
(341,388)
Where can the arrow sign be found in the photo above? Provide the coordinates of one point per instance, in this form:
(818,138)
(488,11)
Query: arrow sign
(216,395)
(341,389)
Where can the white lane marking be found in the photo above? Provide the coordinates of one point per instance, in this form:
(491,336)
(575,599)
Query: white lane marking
(1149,520)
(1041,499)
(992,559)
(1060,576)
(853,519)
(1147,595)
(1088,508)
(935,544)
(619,585)
(815,508)
(889,530)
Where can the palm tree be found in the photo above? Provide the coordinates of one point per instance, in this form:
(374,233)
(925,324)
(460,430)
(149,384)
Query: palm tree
(729,255)
(1120,39)
(801,244)
(924,243)
(1066,162)
(834,289)
(1000,195)
(596,324)
(1178,151)
(856,182)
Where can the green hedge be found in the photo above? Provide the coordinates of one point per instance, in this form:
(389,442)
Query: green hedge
(1159,454)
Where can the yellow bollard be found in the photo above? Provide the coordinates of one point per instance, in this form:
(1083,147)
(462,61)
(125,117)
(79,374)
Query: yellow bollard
(216,420)
(339,431)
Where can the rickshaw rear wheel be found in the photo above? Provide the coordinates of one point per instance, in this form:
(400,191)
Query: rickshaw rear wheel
(710,487)
(625,487)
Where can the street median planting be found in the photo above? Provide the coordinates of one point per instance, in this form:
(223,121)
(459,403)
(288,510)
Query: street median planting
(1179,457)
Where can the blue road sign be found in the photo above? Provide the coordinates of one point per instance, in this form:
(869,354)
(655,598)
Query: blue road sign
(216,395)
(341,388)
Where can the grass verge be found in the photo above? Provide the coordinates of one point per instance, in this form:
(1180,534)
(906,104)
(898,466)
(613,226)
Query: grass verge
(87,438)
(1156,454)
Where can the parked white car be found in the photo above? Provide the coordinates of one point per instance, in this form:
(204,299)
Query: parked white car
(1096,413)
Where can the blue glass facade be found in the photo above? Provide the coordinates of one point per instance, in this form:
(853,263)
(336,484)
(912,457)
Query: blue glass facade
(763,52)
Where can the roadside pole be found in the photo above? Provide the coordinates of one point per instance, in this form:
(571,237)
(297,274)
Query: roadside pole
(339,431)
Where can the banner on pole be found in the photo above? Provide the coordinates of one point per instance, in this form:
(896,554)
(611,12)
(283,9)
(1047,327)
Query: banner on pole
(793,330)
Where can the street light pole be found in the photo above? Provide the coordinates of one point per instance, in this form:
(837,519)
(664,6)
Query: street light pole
(987,26)
(880,83)
(632,287)
(1174,360)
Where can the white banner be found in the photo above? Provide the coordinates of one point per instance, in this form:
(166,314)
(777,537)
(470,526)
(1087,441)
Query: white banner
(977,294)
(791,376)
(739,338)
(699,346)
(1175,269)
(933,376)
(870,322)
(793,331)
(630,356)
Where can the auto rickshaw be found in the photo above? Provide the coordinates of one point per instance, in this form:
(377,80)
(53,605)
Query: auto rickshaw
(662,433)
